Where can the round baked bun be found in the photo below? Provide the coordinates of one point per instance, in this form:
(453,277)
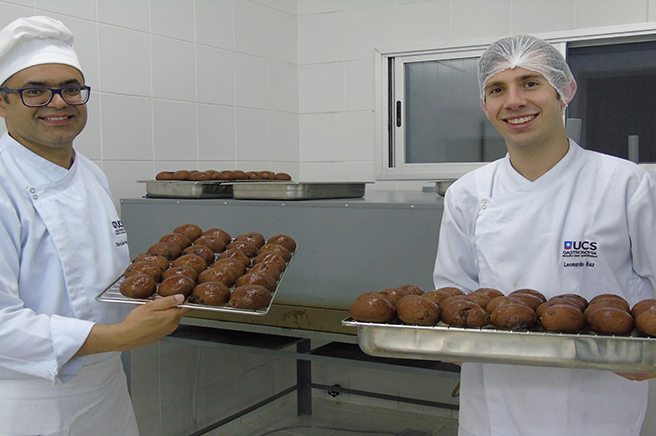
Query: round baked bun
(372,307)
(219,233)
(197,263)
(255,278)
(233,253)
(168,250)
(143,267)
(646,321)
(253,238)
(436,296)
(236,265)
(514,316)
(179,239)
(192,231)
(138,286)
(500,301)
(564,318)
(465,313)
(161,261)
(490,292)
(201,250)
(176,285)
(253,297)
(411,289)
(417,310)
(181,270)
(641,306)
(579,302)
(210,294)
(605,297)
(277,249)
(482,298)
(531,300)
(164,175)
(555,302)
(394,294)
(245,247)
(214,243)
(610,320)
(286,241)
(451,290)
(533,292)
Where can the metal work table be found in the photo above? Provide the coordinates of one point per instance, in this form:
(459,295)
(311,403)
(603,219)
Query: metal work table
(345,247)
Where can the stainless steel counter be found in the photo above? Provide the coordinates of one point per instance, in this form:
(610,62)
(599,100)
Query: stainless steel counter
(345,247)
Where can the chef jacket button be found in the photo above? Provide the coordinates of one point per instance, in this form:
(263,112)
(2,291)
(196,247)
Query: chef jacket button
(36,197)
(484,201)
(32,190)
(484,207)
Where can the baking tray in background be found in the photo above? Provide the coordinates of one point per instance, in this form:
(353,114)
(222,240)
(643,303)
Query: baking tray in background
(112,294)
(187,188)
(629,353)
(285,190)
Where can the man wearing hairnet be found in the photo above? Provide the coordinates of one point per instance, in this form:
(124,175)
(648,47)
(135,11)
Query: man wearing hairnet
(511,225)
(61,243)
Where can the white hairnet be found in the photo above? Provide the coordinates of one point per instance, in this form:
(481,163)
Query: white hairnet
(34,41)
(530,53)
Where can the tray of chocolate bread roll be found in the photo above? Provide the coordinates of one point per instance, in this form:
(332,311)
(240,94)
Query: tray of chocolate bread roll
(213,270)
(205,184)
(521,328)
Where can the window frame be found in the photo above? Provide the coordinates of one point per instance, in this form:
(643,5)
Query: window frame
(390,61)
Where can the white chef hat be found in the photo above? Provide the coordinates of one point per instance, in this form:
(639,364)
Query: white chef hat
(34,41)
(531,53)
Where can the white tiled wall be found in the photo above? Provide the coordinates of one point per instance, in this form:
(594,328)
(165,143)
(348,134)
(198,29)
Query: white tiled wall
(286,85)
(183,84)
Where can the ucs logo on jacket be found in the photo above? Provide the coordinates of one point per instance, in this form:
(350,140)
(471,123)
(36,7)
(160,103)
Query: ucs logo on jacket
(579,249)
(580,245)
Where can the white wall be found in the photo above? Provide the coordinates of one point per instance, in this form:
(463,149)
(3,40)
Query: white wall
(286,85)
(192,84)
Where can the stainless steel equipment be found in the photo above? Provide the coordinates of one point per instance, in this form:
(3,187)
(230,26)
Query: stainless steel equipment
(252,189)
(630,353)
(187,189)
(297,190)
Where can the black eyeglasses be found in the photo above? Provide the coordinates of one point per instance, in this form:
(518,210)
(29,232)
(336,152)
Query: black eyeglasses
(38,96)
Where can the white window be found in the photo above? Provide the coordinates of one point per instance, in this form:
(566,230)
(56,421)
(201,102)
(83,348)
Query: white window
(432,126)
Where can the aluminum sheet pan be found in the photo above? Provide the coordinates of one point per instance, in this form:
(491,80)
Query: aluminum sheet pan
(112,294)
(630,353)
(187,189)
(296,190)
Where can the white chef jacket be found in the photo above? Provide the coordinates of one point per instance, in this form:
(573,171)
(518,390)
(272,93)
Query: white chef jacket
(62,244)
(586,227)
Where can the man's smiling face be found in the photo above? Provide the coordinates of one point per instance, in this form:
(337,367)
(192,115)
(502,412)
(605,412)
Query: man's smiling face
(44,129)
(523,107)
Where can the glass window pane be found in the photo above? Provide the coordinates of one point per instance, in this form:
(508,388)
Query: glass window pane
(443,117)
(615,97)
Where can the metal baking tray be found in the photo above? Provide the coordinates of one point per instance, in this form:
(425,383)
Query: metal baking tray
(297,190)
(187,189)
(629,353)
(112,294)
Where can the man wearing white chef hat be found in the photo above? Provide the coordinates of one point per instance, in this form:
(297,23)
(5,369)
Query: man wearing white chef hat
(62,244)
(507,226)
